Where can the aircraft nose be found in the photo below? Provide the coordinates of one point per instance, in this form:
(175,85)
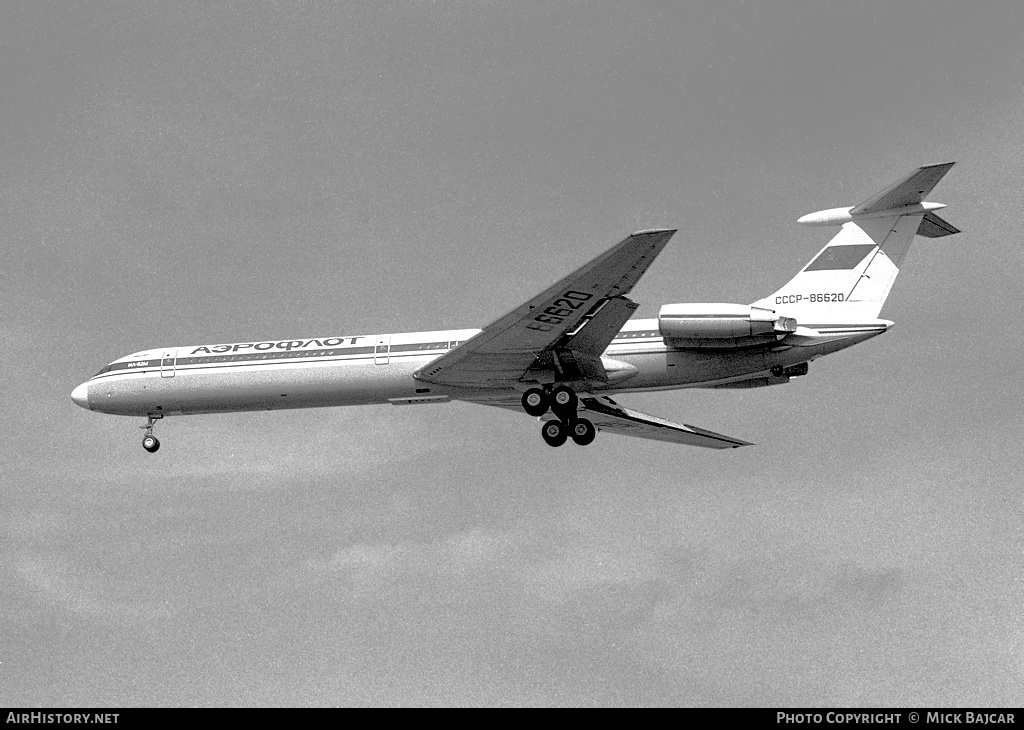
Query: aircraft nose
(80,395)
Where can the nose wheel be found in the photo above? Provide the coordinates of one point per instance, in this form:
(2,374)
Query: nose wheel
(150,442)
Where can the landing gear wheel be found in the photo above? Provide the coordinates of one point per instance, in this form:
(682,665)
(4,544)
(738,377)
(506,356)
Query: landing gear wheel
(149,441)
(564,402)
(535,402)
(778,370)
(554,433)
(583,431)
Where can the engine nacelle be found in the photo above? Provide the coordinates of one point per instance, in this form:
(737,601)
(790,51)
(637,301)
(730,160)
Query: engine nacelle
(722,325)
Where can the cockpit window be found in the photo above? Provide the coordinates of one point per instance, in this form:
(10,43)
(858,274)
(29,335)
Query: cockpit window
(106,368)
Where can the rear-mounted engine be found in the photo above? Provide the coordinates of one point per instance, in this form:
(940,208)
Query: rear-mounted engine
(722,325)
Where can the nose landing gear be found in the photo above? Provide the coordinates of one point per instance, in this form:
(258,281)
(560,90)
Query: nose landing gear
(150,442)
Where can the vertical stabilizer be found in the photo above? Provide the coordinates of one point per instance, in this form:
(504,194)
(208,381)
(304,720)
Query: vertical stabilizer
(850,278)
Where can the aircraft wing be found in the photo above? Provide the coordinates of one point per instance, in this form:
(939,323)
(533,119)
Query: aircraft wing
(589,304)
(907,191)
(608,416)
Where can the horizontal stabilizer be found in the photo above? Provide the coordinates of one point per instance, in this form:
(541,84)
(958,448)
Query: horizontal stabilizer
(934,227)
(910,190)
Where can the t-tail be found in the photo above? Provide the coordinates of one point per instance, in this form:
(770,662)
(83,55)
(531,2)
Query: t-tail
(849,280)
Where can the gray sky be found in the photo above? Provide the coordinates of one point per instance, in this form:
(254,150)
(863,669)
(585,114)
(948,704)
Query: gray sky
(185,173)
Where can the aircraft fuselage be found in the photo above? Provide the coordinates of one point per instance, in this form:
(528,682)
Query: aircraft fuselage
(378,369)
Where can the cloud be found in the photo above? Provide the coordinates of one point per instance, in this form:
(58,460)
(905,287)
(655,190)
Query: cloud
(60,584)
(655,608)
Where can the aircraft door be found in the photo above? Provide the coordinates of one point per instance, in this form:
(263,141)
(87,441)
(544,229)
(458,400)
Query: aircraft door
(167,362)
(382,351)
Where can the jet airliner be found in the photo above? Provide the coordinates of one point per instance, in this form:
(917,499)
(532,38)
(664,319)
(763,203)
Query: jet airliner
(563,354)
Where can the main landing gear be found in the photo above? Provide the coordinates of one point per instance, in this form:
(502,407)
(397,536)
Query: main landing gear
(562,401)
(150,442)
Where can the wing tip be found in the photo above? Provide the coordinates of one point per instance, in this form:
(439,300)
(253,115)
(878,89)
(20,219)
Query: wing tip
(728,442)
(652,231)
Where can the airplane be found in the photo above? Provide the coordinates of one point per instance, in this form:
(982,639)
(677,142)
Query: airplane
(563,354)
